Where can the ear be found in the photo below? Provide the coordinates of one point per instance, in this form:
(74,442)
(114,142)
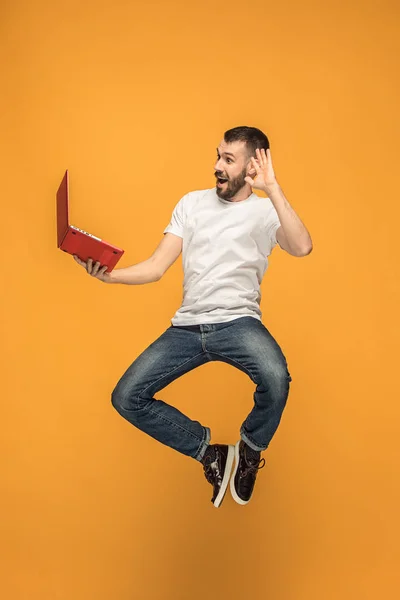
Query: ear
(250,168)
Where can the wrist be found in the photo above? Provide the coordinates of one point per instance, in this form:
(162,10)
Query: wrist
(271,188)
(112,277)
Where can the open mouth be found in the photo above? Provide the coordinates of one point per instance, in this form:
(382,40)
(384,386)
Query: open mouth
(221,181)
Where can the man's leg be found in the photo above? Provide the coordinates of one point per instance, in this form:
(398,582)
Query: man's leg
(247,345)
(177,351)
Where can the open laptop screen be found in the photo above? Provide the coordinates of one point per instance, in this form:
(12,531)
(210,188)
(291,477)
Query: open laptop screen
(62,209)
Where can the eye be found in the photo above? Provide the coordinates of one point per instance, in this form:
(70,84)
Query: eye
(227,160)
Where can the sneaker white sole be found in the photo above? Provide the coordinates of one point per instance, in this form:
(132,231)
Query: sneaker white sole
(225,479)
(233,491)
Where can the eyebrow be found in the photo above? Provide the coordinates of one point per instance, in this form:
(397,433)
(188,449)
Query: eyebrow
(227,153)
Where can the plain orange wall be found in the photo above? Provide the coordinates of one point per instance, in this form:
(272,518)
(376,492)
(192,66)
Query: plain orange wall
(133,99)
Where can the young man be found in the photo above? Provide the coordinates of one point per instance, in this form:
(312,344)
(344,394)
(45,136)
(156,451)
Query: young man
(225,235)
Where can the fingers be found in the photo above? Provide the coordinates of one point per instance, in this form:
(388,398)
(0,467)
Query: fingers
(93,269)
(256,164)
(262,157)
(89,266)
(79,261)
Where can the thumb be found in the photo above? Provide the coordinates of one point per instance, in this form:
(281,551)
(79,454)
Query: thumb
(249,180)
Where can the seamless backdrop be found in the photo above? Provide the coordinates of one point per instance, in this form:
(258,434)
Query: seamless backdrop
(133,98)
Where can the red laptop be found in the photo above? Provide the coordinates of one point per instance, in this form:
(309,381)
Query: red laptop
(76,241)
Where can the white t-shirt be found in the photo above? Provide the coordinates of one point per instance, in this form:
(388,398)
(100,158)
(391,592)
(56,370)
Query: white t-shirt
(224,255)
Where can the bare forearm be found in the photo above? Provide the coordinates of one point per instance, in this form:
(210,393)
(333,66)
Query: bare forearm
(296,233)
(143,272)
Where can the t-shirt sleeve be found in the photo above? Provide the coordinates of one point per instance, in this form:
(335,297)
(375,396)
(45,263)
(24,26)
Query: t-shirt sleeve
(272,225)
(177,222)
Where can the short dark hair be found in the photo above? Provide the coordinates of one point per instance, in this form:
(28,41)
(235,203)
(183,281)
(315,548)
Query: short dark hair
(253,137)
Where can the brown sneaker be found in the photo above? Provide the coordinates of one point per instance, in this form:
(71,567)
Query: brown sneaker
(217,463)
(247,465)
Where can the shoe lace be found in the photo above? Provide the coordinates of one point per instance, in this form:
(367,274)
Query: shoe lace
(252,466)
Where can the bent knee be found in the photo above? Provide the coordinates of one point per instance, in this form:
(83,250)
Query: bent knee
(276,378)
(117,400)
(126,399)
(121,399)
(281,373)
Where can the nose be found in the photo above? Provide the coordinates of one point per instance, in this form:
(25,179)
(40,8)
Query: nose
(216,166)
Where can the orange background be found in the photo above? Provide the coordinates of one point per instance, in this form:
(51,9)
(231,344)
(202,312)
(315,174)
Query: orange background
(133,99)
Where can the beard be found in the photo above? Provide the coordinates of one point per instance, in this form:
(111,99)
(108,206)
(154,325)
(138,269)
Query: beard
(232,186)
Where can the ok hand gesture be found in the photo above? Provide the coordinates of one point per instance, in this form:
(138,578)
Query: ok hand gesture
(265,176)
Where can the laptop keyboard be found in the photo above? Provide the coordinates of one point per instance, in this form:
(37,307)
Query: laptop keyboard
(86,233)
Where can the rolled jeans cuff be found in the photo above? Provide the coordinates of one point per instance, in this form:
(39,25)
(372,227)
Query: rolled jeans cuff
(250,443)
(204,444)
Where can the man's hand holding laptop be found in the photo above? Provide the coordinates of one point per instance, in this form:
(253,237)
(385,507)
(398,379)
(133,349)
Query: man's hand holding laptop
(94,269)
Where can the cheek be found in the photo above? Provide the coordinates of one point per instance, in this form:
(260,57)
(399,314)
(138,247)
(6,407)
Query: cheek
(238,174)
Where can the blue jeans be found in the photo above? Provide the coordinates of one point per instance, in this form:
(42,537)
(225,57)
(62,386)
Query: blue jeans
(244,343)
